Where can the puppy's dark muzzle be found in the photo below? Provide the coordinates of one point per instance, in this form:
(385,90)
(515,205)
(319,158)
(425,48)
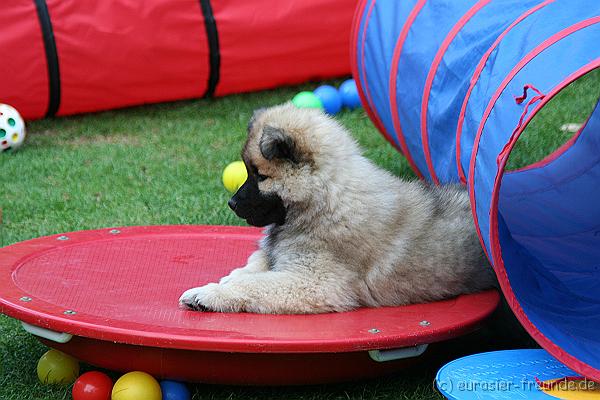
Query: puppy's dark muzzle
(239,207)
(258,209)
(232,203)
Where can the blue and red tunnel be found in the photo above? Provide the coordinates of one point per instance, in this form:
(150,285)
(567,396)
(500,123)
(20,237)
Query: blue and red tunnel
(452,85)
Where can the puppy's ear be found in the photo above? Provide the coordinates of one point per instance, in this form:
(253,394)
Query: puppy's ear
(275,144)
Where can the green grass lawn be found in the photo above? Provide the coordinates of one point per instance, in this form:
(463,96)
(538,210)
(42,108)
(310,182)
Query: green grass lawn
(162,164)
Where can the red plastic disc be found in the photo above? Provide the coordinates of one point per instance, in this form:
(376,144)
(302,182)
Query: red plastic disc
(123,285)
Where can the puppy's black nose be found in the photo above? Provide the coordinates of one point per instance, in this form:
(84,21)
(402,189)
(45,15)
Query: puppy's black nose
(232,204)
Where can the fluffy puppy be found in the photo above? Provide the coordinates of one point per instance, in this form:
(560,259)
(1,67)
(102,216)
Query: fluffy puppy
(341,233)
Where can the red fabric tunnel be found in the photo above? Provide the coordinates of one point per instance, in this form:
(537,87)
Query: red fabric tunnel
(64,58)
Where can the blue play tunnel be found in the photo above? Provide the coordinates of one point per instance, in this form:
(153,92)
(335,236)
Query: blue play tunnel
(452,84)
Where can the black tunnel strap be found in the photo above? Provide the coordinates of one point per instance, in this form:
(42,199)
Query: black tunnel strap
(51,57)
(212,35)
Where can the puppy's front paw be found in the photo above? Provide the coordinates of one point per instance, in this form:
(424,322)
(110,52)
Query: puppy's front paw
(212,297)
(188,299)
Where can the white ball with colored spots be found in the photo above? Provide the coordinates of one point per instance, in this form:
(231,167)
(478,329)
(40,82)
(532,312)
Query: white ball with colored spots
(12,128)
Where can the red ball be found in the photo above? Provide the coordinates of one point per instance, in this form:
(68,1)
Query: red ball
(92,385)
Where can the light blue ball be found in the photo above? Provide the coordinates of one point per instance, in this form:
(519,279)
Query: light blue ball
(172,390)
(349,94)
(330,98)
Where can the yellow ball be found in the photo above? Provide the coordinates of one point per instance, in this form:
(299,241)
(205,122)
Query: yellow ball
(136,386)
(56,367)
(234,176)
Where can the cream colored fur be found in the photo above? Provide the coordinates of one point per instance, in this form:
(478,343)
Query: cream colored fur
(355,235)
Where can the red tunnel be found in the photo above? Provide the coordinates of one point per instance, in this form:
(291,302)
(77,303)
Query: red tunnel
(64,58)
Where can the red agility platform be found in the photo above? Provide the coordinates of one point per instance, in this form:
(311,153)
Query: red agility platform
(79,56)
(110,298)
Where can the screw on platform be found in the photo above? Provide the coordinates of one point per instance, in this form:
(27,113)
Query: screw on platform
(114,231)
(25,298)
(374,330)
(424,323)
(70,312)
(63,237)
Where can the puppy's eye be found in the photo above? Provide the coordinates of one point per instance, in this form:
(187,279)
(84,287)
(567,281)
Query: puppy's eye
(261,177)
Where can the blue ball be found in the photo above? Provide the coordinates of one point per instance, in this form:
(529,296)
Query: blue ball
(330,98)
(172,390)
(349,94)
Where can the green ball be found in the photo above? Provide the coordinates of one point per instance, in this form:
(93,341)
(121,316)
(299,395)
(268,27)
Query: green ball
(307,100)
(56,367)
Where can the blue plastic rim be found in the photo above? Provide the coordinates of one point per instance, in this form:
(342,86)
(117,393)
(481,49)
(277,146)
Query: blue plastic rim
(500,375)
